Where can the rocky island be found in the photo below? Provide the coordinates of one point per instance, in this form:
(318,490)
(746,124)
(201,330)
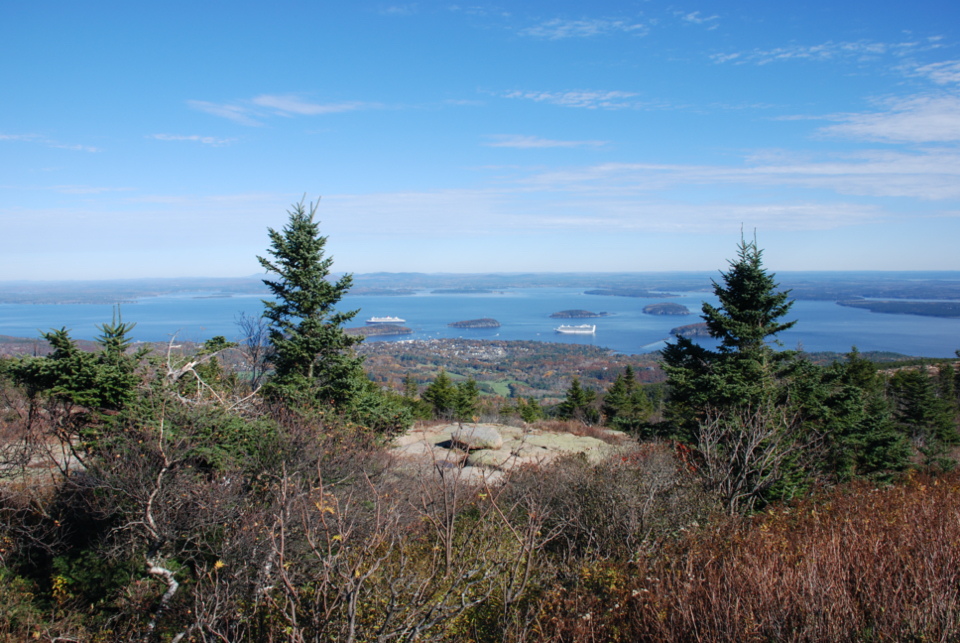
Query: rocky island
(486,322)
(691,330)
(666,308)
(378,331)
(576,314)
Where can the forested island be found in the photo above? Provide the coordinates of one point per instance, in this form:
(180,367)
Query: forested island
(666,308)
(691,330)
(378,330)
(922,308)
(576,314)
(476,323)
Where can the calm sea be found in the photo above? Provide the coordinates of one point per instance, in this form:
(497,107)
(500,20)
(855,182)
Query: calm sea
(522,313)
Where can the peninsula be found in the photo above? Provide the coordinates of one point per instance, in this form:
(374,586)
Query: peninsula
(666,308)
(486,322)
(923,308)
(629,292)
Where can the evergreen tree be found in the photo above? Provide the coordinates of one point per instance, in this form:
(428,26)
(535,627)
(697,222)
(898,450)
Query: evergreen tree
(312,356)
(743,370)
(310,351)
(626,405)
(579,404)
(442,395)
(466,400)
(926,417)
(530,410)
(616,399)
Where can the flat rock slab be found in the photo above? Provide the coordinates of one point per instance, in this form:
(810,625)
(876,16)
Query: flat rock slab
(464,446)
(476,436)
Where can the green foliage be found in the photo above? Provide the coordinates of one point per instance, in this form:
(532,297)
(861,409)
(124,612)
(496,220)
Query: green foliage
(626,406)
(923,411)
(579,404)
(441,394)
(743,370)
(459,401)
(530,410)
(845,404)
(100,382)
(466,400)
(311,353)
(315,365)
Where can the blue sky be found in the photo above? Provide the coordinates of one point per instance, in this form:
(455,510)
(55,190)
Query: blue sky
(162,139)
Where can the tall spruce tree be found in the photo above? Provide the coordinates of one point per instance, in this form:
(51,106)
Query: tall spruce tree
(310,351)
(743,368)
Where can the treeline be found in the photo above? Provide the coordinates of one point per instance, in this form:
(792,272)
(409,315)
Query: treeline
(166,497)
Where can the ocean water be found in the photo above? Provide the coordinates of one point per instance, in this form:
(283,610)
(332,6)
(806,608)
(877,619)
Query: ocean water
(524,314)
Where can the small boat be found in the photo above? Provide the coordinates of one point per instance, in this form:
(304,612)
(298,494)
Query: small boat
(583,329)
(385,320)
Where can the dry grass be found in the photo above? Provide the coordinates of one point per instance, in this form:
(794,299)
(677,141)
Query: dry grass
(859,565)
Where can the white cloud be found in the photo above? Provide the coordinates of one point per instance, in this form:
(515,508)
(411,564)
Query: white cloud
(43,140)
(920,119)
(259,107)
(399,10)
(557,28)
(531,142)
(236,113)
(927,174)
(206,140)
(286,105)
(498,211)
(697,19)
(942,73)
(587,99)
(828,51)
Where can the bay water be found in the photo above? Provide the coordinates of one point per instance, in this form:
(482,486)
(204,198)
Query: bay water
(524,314)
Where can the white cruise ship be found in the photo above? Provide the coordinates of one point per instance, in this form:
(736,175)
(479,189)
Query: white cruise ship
(385,320)
(583,329)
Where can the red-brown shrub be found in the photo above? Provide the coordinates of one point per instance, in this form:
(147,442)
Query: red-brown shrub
(860,564)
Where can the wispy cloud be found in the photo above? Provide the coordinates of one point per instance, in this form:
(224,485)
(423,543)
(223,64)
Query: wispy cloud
(932,174)
(399,10)
(43,140)
(558,28)
(236,113)
(251,112)
(288,104)
(532,142)
(697,19)
(206,140)
(498,211)
(942,73)
(828,51)
(919,119)
(586,99)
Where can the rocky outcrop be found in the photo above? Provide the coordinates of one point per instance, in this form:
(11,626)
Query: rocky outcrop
(484,452)
(473,437)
